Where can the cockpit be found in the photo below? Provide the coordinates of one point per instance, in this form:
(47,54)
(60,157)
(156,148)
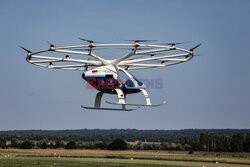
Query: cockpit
(129,80)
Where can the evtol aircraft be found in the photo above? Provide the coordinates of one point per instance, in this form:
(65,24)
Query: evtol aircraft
(112,76)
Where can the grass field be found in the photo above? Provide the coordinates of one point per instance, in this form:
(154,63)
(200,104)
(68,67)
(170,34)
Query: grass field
(105,158)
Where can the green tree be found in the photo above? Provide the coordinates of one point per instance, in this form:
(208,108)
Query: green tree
(223,144)
(58,143)
(147,146)
(44,145)
(237,142)
(71,145)
(179,147)
(165,146)
(138,146)
(247,143)
(3,142)
(187,147)
(118,144)
(26,145)
(14,143)
(101,145)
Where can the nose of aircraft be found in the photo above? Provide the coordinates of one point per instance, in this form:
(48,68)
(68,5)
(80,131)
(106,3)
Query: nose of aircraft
(83,76)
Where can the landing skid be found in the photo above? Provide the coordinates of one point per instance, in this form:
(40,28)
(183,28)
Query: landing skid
(98,98)
(121,102)
(113,109)
(141,105)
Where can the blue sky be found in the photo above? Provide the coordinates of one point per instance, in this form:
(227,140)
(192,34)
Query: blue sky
(211,91)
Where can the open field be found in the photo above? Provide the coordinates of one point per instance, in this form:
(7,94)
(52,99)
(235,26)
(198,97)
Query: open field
(92,158)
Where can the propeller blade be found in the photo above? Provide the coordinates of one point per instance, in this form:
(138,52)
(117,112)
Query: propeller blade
(194,55)
(192,49)
(173,43)
(90,41)
(25,49)
(50,44)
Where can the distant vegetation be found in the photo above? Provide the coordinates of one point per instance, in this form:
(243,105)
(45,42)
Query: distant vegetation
(218,140)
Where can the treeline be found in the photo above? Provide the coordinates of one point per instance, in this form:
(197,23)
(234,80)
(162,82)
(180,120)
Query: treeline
(218,143)
(129,135)
(205,141)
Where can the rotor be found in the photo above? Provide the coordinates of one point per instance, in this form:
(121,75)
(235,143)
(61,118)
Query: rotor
(133,60)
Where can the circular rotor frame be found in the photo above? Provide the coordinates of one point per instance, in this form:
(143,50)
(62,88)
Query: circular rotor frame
(156,56)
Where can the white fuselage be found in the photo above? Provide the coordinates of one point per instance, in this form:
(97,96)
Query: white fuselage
(108,78)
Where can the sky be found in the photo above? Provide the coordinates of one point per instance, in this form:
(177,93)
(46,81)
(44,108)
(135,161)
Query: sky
(210,91)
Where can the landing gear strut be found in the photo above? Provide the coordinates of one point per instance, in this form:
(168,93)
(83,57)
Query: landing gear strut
(121,101)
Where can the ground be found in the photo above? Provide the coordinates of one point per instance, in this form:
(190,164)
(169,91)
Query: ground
(105,158)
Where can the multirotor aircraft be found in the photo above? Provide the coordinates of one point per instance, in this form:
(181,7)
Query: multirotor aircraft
(112,76)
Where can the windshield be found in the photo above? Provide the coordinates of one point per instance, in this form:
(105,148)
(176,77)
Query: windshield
(137,80)
(124,79)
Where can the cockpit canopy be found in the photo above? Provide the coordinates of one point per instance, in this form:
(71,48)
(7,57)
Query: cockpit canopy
(128,79)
